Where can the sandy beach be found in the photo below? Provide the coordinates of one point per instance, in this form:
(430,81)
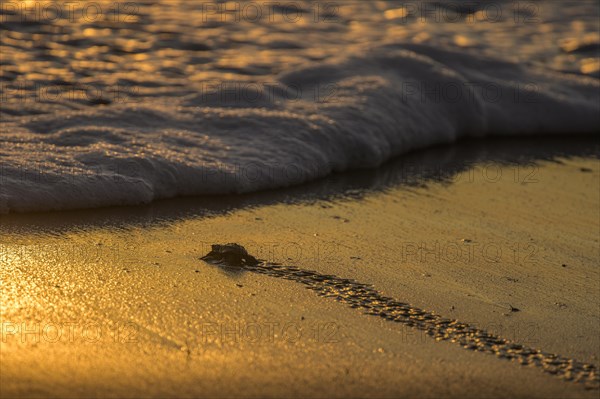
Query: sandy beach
(308,199)
(116,302)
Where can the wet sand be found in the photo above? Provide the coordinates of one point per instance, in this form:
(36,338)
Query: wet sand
(96,303)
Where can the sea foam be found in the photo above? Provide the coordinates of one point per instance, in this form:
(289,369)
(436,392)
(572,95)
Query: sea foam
(235,134)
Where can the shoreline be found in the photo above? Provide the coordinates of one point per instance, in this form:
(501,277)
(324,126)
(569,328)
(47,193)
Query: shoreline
(438,162)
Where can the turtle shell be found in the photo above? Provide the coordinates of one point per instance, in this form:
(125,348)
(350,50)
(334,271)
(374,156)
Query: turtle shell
(230,254)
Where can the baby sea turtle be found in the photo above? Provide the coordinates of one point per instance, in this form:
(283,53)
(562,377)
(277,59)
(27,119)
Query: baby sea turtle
(230,255)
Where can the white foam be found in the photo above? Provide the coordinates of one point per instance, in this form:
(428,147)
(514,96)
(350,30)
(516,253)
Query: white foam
(355,111)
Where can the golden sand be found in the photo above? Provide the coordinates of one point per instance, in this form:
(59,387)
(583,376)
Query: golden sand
(128,310)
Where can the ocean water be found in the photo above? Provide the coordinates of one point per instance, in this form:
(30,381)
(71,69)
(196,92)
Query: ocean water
(120,103)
